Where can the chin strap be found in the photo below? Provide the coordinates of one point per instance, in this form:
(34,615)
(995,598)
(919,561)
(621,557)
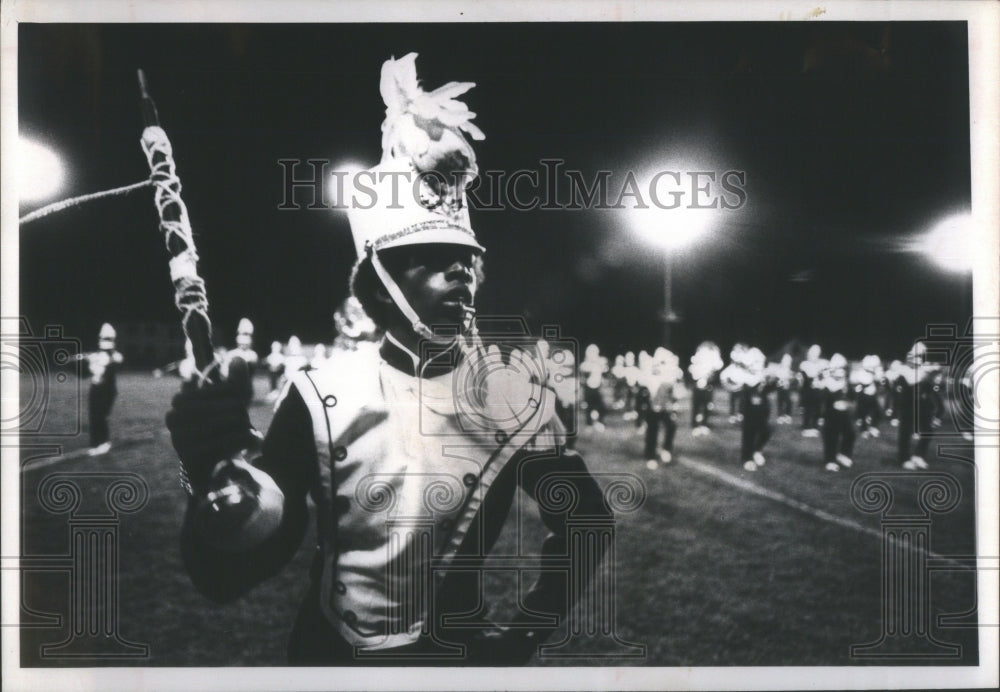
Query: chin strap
(396,294)
(419,328)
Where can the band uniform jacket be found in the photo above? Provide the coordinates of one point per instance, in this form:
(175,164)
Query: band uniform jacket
(400,481)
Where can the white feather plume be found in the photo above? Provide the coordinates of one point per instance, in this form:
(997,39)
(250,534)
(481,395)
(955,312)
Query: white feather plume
(429,128)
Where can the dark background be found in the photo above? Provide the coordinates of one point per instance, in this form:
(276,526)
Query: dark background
(850,152)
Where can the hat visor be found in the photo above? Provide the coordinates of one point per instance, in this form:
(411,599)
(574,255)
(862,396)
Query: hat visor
(436,236)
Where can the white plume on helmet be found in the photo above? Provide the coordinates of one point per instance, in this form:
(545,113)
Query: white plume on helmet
(427,128)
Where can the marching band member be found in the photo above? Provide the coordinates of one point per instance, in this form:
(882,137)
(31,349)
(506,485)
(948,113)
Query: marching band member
(661,376)
(838,421)
(319,358)
(888,391)
(244,343)
(244,351)
(353,326)
(809,394)
(747,379)
(620,386)
(592,368)
(631,379)
(784,379)
(917,405)
(644,364)
(275,367)
(705,365)
(295,360)
(103,365)
(737,355)
(371,437)
(865,379)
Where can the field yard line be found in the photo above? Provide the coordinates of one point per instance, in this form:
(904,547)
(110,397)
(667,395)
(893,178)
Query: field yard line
(749,487)
(82,452)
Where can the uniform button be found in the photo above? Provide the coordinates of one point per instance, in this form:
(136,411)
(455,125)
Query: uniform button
(329,401)
(339,453)
(469,479)
(350,617)
(500,437)
(341,589)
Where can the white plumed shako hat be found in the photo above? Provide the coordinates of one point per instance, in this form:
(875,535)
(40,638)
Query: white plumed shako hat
(416,194)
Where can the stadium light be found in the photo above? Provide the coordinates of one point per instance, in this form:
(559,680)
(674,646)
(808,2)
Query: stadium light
(40,172)
(953,243)
(672,230)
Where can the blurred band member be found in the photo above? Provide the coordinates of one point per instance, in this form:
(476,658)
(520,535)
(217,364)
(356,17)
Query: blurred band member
(620,387)
(592,368)
(838,419)
(747,379)
(353,326)
(244,351)
(103,365)
(319,357)
(917,403)
(295,360)
(809,394)
(659,379)
(275,366)
(737,356)
(631,386)
(865,380)
(705,365)
(887,392)
(783,376)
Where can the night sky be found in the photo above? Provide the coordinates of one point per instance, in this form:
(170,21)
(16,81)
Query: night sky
(849,151)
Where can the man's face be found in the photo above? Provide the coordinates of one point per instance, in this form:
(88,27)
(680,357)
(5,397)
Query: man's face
(439,281)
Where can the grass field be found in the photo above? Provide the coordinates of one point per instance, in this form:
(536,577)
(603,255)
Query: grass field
(719,567)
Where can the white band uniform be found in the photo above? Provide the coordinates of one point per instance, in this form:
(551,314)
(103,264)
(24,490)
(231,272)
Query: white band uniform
(377,470)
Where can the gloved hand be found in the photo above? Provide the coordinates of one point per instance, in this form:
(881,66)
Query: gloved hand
(211,424)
